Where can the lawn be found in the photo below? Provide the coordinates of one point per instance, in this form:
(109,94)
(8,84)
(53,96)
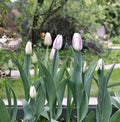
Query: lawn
(115,77)
(16,85)
(18,88)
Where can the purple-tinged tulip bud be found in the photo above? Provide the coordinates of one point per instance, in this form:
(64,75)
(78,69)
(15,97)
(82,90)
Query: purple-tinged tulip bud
(32,92)
(48,39)
(77,42)
(28,48)
(52,53)
(58,42)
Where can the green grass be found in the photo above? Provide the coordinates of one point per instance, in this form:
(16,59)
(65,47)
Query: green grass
(18,87)
(115,77)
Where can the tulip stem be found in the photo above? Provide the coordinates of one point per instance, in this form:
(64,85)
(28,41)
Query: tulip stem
(55,63)
(51,115)
(35,72)
(78,117)
(27,66)
(46,57)
(68,103)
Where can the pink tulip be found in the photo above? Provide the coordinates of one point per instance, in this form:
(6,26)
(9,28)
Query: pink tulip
(48,39)
(58,42)
(52,53)
(77,42)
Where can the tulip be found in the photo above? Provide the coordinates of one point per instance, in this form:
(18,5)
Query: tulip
(28,48)
(34,59)
(85,66)
(57,44)
(10,64)
(33,92)
(100,64)
(48,39)
(77,42)
(52,53)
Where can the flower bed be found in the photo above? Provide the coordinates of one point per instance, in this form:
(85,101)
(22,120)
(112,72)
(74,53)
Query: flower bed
(45,90)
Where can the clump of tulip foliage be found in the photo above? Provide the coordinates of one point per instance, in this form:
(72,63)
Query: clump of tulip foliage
(44,91)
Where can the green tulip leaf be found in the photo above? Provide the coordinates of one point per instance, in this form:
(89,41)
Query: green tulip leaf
(109,74)
(89,117)
(54,120)
(115,117)
(13,112)
(61,89)
(45,111)
(104,108)
(88,77)
(59,108)
(4,116)
(50,86)
(46,57)
(84,106)
(24,79)
(60,74)
(40,101)
(115,102)
(28,116)
(55,63)
(15,106)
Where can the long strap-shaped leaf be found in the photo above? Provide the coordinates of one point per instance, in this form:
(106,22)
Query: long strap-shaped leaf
(84,106)
(104,107)
(4,116)
(25,81)
(28,115)
(107,77)
(46,57)
(55,62)
(40,101)
(77,83)
(88,78)
(50,88)
(59,75)
(115,117)
(60,94)
(115,103)
(89,117)
(13,112)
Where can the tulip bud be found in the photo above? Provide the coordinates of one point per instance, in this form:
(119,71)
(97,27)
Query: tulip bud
(34,59)
(52,53)
(100,64)
(58,42)
(85,66)
(28,48)
(48,39)
(77,42)
(33,92)
(10,64)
